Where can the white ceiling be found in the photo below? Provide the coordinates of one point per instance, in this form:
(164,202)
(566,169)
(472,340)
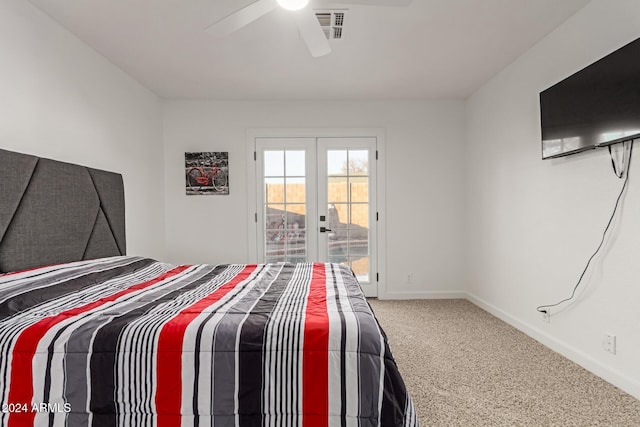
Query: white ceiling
(431,49)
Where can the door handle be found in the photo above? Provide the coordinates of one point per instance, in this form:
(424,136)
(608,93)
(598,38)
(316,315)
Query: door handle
(324,229)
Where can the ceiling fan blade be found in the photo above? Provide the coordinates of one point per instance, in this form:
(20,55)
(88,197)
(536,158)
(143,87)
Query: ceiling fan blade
(243,17)
(312,32)
(386,3)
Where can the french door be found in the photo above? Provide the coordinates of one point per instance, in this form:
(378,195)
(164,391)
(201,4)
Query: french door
(316,202)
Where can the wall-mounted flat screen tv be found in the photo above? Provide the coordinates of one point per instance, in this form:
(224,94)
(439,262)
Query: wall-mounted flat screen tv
(597,106)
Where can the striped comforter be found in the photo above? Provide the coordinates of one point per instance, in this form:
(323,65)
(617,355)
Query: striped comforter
(131,341)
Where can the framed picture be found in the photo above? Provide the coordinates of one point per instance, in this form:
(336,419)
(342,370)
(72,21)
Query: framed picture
(207,173)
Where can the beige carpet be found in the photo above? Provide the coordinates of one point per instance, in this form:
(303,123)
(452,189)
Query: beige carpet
(464,367)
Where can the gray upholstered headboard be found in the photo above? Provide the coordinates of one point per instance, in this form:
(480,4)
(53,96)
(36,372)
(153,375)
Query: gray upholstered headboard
(53,212)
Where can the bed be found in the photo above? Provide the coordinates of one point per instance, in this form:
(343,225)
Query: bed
(92,336)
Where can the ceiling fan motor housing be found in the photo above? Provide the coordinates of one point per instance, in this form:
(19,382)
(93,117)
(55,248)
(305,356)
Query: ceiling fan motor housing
(293,4)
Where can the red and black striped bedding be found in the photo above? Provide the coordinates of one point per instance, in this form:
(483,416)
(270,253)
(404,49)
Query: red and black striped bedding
(133,342)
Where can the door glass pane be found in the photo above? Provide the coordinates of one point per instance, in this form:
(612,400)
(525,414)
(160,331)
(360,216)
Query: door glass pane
(358,243)
(285,207)
(359,189)
(295,163)
(274,163)
(273,216)
(360,267)
(359,216)
(358,162)
(273,190)
(296,216)
(296,190)
(337,162)
(338,215)
(338,189)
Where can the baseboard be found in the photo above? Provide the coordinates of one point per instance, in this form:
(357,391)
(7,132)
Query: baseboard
(422,295)
(589,363)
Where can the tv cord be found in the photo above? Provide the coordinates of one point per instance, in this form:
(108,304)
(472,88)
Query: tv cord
(619,174)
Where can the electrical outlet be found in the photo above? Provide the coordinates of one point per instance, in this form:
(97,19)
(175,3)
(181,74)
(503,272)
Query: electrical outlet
(546,316)
(609,343)
(410,278)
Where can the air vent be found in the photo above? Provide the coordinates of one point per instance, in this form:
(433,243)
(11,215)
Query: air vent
(332,22)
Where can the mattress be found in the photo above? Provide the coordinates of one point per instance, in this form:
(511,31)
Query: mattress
(129,341)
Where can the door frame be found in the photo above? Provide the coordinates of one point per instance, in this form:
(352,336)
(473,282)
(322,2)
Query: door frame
(378,133)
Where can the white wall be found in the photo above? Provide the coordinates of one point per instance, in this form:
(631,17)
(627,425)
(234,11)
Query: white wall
(533,223)
(60,99)
(424,143)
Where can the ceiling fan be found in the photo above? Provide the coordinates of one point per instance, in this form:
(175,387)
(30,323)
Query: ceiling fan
(308,24)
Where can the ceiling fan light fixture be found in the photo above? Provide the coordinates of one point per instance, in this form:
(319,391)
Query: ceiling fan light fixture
(293,4)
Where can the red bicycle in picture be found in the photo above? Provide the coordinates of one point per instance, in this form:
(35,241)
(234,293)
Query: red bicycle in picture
(202,177)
